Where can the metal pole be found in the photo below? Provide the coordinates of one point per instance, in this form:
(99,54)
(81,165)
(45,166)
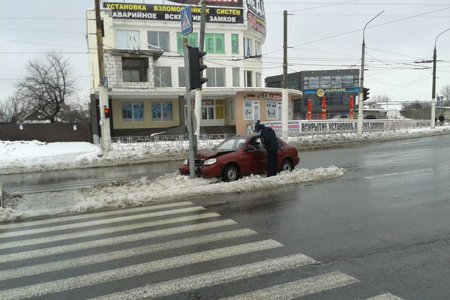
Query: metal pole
(360,122)
(187,97)
(105,142)
(285,93)
(198,92)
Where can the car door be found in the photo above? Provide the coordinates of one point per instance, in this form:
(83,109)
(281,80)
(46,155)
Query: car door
(254,157)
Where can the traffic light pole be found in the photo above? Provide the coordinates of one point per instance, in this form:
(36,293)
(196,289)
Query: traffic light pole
(189,123)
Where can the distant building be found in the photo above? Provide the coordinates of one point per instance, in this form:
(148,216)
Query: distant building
(336,85)
(145,67)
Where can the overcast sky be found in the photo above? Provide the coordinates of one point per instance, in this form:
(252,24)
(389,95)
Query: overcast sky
(322,34)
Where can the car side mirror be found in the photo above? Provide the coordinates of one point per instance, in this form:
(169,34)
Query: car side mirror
(250,148)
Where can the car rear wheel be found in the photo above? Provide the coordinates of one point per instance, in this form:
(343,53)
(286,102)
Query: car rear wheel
(287,165)
(230,173)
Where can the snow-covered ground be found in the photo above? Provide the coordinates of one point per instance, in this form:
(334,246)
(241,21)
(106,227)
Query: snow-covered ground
(29,156)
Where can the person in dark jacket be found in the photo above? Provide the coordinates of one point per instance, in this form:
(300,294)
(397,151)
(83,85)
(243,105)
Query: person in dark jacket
(270,142)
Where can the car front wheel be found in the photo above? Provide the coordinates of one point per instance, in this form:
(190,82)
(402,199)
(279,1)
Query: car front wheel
(287,165)
(230,173)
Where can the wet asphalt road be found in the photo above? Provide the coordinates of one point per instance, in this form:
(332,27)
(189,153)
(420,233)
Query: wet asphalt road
(386,221)
(385,224)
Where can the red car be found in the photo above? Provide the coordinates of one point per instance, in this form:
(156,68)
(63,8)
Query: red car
(240,156)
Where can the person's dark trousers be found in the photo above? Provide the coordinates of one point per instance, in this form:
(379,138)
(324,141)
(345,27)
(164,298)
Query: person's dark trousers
(271,163)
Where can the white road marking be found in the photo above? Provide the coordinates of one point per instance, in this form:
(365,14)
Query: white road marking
(213,278)
(92,215)
(62,285)
(101,222)
(299,288)
(386,296)
(122,254)
(113,241)
(82,234)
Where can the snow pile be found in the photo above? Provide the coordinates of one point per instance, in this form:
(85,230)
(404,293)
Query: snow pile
(170,187)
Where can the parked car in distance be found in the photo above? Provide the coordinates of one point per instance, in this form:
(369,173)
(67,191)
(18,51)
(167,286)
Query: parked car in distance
(340,116)
(240,156)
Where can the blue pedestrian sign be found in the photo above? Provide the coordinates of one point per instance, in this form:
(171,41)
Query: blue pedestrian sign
(186,20)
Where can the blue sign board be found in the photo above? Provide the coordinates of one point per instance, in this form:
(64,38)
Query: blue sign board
(186,20)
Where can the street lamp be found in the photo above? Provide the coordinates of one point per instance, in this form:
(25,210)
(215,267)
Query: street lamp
(433,92)
(361,82)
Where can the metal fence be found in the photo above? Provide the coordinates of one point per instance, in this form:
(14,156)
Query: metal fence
(302,127)
(181,140)
(296,128)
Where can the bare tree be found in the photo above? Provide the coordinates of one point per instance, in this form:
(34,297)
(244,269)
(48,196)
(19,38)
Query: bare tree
(13,109)
(445,91)
(47,84)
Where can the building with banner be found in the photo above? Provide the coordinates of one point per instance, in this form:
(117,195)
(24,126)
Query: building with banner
(339,89)
(144,66)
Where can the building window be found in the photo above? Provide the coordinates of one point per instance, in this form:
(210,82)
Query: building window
(162,111)
(134,69)
(207,109)
(215,43)
(251,110)
(133,112)
(248,47)
(272,110)
(257,48)
(216,77)
(192,41)
(127,39)
(314,82)
(234,43)
(258,78)
(163,77)
(248,78)
(159,39)
(236,77)
(181,77)
(348,82)
(325,82)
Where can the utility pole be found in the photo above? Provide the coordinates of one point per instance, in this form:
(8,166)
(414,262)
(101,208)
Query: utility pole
(285,91)
(433,90)
(360,122)
(105,142)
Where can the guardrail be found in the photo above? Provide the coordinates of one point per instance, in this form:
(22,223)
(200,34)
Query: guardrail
(295,127)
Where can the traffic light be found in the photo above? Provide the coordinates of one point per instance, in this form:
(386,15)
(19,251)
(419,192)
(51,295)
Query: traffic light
(196,67)
(366,93)
(107,111)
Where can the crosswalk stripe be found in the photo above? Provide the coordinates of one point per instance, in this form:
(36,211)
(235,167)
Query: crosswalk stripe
(213,278)
(299,288)
(386,296)
(113,241)
(102,222)
(92,215)
(121,254)
(134,270)
(81,234)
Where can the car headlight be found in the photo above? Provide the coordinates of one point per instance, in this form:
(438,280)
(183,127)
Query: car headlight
(185,162)
(210,161)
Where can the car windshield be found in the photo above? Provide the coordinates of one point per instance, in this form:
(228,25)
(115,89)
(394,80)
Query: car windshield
(231,144)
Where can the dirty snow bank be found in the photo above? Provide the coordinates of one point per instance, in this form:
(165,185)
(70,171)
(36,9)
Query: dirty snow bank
(170,187)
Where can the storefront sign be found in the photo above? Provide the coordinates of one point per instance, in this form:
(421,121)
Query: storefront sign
(256,16)
(330,91)
(234,3)
(172,12)
(257,24)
